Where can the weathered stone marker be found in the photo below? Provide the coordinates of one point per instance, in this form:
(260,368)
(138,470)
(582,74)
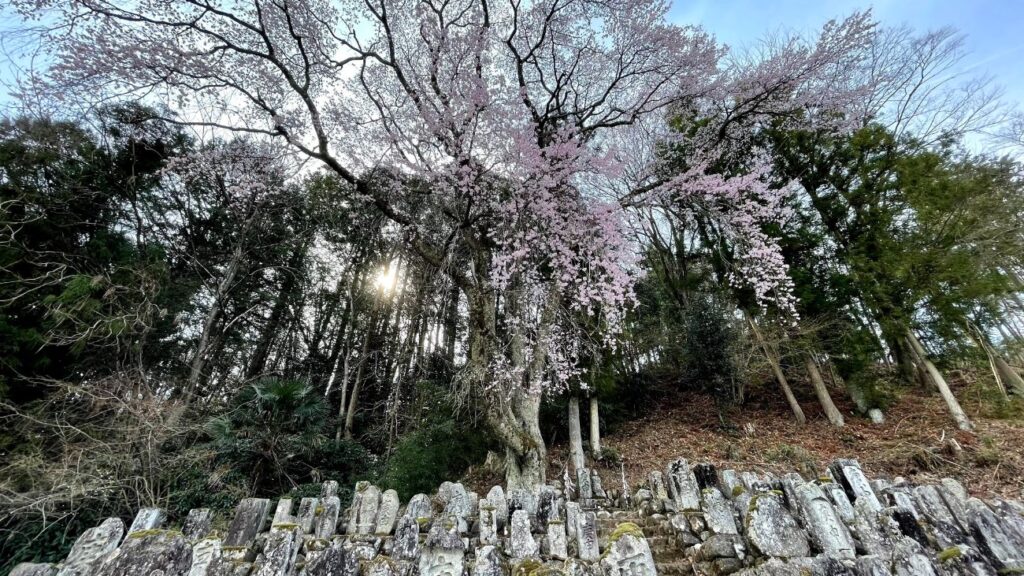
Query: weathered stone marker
(205,556)
(197,524)
(628,553)
(406,543)
(682,485)
(307,514)
(771,529)
(824,526)
(149,552)
(327,522)
(520,540)
(93,547)
(388,513)
(496,497)
(443,553)
(147,519)
(586,537)
(250,518)
(558,545)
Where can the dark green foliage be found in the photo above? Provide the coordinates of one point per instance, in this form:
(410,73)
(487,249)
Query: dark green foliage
(708,348)
(440,447)
(277,432)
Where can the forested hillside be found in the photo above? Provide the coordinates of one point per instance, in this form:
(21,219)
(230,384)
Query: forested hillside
(249,247)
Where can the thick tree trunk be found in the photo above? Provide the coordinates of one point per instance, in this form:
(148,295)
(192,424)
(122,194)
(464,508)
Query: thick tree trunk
(936,377)
(824,398)
(595,429)
(780,376)
(575,434)
(526,460)
(512,414)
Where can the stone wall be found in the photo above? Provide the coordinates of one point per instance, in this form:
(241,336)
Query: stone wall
(685,520)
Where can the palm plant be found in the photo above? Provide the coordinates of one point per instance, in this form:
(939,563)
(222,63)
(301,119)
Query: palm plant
(273,428)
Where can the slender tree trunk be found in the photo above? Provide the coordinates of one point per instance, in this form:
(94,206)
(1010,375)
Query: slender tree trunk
(824,398)
(357,382)
(575,434)
(1010,376)
(856,391)
(936,377)
(595,429)
(451,324)
(199,359)
(978,339)
(272,328)
(780,376)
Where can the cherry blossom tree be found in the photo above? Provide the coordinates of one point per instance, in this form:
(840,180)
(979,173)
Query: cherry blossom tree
(527,127)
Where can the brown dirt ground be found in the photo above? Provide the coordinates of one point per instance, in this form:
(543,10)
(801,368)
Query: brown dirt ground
(913,442)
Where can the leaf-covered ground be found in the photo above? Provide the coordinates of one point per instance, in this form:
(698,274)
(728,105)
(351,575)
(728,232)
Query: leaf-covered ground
(914,442)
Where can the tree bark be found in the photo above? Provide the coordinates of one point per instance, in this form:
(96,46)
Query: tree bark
(780,376)
(513,414)
(936,377)
(195,376)
(855,390)
(824,398)
(595,429)
(1010,376)
(353,400)
(575,434)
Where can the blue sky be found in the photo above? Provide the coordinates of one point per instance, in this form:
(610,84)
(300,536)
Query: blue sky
(994,28)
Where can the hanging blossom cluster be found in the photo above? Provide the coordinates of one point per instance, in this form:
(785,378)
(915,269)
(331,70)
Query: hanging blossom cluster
(742,206)
(560,247)
(549,231)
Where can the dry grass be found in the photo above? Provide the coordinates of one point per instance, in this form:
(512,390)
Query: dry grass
(913,442)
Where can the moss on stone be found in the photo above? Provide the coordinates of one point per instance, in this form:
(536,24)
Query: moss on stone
(233,548)
(737,490)
(949,554)
(547,571)
(285,526)
(153,532)
(422,520)
(317,544)
(527,567)
(623,529)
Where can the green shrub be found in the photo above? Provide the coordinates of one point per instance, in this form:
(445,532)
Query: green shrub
(438,451)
